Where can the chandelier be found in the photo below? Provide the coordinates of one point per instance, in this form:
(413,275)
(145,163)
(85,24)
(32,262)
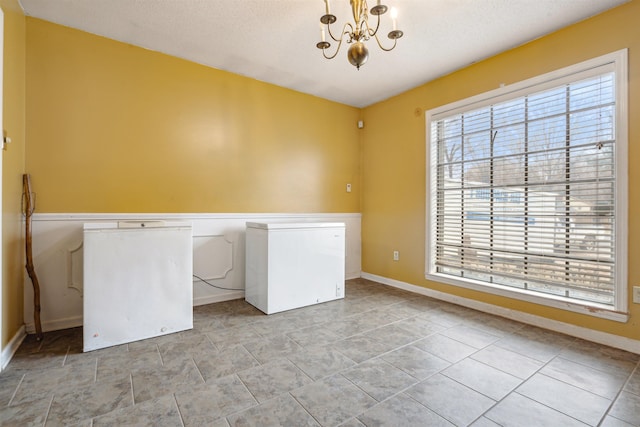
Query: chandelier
(357,33)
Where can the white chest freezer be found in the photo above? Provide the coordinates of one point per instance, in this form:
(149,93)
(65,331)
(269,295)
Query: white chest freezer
(137,281)
(292,265)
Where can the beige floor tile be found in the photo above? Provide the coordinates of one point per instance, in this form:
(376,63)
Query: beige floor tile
(319,362)
(379,379)
(470,336)
(149,383)
(508,361)
(451,400)
(90,401)
(401,410)
(225,362)
(121,363)
(277,346)
(427,362)
(445,348)
(156,412)
(272,379)
(32,413)
(333,400)
(281,411)
(482,378)
(205,404)
(39,384)
(627,408)
(393,334)
(605,384)
(313,336)
(415,362)
(360,348)
(573,401)
(519,411)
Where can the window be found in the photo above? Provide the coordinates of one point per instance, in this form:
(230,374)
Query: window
(527,189)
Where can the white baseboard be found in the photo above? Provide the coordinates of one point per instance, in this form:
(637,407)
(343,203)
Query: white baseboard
(56,325)
(12,347)
(599,337)
(210,299)
(352,275)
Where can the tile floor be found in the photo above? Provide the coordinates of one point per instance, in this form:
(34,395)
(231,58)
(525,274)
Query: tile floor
(380,357)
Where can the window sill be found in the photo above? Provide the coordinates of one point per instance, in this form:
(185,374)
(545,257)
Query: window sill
(595,310)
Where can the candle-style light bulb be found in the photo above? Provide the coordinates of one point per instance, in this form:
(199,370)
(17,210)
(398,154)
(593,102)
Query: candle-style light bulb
(394,17)
(327,7)
(322,34)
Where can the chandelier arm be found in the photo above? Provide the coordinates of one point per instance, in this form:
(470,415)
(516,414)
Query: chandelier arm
(344,31)
(372,33)
(385,48)
(324,53)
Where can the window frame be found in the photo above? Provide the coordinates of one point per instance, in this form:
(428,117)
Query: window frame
(616,62)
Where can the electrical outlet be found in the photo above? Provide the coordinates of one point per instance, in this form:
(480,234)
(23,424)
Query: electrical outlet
(348,188)
(396,255)
(636,294)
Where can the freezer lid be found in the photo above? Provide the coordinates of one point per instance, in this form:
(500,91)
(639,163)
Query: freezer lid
(135,224)
(293,225)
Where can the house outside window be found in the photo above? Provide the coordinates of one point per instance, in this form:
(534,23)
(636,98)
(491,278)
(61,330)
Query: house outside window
(527,189)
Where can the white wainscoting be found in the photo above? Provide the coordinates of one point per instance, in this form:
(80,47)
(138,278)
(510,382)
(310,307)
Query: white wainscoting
(218,257)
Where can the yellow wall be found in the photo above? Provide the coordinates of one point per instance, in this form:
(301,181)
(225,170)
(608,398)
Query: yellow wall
(13,109)
(117,128)
(393,210)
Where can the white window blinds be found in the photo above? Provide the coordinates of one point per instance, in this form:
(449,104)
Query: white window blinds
(523,189)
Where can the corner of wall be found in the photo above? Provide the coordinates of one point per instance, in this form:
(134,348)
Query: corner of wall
(10,349)
(13,166)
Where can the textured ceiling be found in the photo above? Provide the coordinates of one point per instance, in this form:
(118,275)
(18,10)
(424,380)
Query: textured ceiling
(274,40)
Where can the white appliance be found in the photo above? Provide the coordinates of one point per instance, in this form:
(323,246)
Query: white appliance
(137,281)
(292,265)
